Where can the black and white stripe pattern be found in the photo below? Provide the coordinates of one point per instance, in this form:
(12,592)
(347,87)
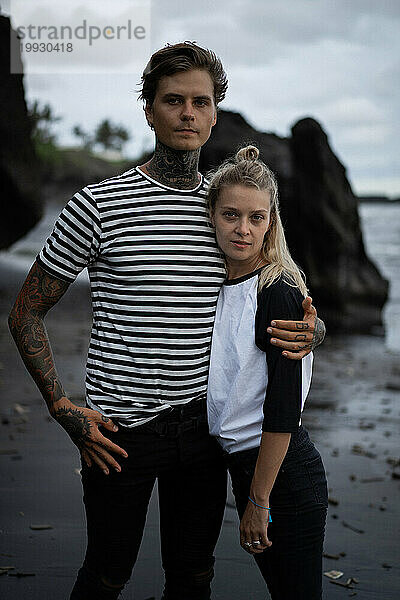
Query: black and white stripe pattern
(155,273)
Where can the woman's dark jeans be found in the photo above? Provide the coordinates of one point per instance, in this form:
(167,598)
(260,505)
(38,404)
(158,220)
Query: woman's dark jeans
(191,476)
(292,566)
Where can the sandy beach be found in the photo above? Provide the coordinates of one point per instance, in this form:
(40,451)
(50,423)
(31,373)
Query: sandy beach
(352,415)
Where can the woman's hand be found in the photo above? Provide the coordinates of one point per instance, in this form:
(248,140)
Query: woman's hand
(253,529)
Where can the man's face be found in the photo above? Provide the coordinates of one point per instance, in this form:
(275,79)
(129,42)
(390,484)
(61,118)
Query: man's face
(183,111)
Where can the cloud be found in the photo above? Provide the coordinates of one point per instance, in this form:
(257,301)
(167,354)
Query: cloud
(259,32)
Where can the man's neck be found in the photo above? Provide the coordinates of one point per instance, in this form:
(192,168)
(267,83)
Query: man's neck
(174,168)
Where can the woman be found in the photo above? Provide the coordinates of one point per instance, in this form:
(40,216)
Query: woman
(255,395)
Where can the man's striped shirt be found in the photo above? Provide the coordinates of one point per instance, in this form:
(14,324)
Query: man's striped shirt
(155,273)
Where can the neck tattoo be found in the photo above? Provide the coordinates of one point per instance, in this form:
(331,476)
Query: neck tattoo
(175,168)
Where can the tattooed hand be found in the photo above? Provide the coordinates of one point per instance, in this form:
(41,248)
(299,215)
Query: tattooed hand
(298,338)
(82,425)
(39,293)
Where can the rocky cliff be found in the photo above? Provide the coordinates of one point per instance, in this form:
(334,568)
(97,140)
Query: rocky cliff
(320,214)
(20,202)
(318,207)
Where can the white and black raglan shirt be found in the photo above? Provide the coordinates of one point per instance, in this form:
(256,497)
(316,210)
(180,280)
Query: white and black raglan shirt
(253,388)
(155,272)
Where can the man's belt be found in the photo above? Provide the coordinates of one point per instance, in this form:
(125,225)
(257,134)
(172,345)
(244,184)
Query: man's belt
(172,425)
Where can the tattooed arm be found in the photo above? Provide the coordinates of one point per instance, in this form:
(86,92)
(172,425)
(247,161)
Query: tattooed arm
(298,338)
(38,294)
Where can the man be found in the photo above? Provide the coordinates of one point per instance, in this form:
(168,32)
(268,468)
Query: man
(155,273)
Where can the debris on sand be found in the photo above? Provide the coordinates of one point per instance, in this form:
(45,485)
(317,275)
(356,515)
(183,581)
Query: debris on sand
(345,524)
(392,385)
(347,584)
(334,556)
(363,426)
(39,527)
(358,449)
(20,410)
(5,451)
(333,501)
(333,574)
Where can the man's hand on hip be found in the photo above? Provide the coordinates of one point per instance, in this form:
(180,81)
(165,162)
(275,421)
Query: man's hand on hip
(82,425)
(298,338)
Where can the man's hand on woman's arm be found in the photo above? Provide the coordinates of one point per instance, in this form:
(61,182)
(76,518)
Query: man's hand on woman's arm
(38,294)
(298,338)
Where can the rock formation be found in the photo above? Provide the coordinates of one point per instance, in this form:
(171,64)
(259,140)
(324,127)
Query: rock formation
(19,180)
(320,214)
(318,207)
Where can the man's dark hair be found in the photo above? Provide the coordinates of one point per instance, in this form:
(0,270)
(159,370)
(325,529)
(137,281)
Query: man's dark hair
(178,58)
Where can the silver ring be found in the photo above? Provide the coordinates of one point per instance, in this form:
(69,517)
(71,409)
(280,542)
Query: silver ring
(248,544)
(255,543)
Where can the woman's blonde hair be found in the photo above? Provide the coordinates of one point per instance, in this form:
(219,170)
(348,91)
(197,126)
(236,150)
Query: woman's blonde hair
(246,169)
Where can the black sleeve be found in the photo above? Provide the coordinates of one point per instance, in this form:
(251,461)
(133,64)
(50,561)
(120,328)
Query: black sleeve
(282,405)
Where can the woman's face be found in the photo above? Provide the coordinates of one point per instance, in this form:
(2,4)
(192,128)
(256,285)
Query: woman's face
(241,218)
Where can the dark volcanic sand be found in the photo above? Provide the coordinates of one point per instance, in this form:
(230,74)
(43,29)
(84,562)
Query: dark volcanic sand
(352,411)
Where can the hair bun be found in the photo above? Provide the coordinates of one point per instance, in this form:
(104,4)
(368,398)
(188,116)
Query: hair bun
(247,153)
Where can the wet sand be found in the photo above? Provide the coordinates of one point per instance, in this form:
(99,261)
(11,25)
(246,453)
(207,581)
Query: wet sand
(352,415)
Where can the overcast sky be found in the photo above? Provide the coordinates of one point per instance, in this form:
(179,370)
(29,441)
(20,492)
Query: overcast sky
(335,60)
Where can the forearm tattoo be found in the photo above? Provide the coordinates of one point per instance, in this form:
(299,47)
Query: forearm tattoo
(319,333)
(175,168)
(38,294)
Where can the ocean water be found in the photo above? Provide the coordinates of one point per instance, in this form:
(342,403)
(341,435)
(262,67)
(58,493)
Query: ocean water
(381,231)
(22,254)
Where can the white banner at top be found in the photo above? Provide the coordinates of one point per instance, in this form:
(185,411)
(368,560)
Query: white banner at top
(90,36)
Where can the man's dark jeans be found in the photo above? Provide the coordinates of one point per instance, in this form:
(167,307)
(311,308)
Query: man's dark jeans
(292,566)
(192,489)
